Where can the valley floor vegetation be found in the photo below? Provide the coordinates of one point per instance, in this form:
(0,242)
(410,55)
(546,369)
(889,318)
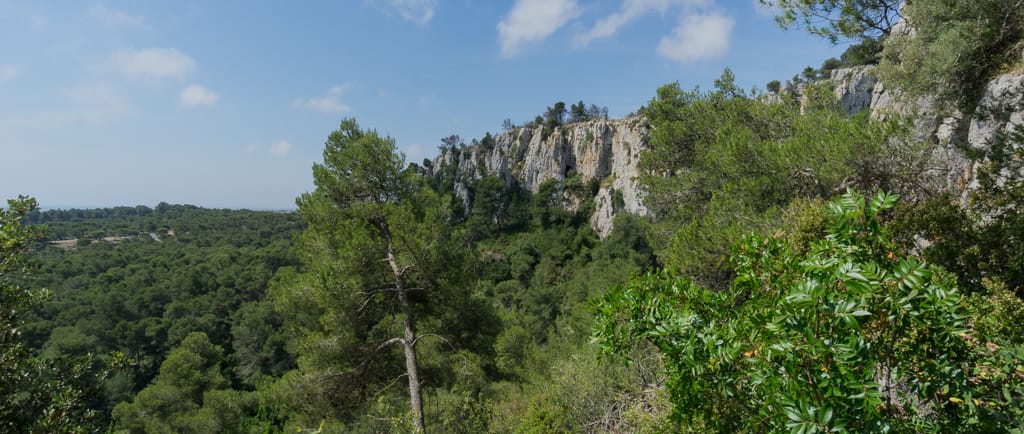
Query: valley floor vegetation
(799,274)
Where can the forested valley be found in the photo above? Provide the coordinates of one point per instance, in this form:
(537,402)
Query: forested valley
(802,270)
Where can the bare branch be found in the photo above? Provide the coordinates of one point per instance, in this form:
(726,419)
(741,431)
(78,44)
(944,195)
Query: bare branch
(435,336)
(405,269)
(372,292)
(369,294)
(391,341)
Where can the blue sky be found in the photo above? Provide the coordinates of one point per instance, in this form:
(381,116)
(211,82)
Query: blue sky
(228,103)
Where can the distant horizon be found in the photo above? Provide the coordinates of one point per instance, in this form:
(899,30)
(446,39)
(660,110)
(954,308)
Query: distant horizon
(44,207)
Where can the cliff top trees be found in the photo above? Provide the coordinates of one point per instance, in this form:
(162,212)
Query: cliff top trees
(556,114)
(578,112)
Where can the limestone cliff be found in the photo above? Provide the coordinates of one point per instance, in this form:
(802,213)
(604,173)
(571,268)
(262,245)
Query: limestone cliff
(608,150)
(1000,110)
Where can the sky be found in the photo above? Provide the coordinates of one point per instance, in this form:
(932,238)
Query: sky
(227,104)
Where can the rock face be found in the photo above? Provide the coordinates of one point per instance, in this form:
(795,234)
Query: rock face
(606,150)
(1000,111)
(609,150)
(854,88)
(1002,107)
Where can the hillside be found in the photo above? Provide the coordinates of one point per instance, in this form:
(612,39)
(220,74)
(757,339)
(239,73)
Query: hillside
(841,252)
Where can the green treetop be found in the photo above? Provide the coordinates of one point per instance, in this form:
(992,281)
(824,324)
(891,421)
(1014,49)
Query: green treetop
(378,260)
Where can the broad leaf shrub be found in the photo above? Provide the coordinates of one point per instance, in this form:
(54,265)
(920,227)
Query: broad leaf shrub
(841,335)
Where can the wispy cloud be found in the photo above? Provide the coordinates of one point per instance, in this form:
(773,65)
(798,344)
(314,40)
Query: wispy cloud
(155,63)
(532,21)
(416,11)
(8,73)
(280,149)
(113,17)
(630,11)
(697,37)
(196,95)
(329,103)
(90,103)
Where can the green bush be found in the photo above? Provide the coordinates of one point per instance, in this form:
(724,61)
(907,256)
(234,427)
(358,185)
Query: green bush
(842,335)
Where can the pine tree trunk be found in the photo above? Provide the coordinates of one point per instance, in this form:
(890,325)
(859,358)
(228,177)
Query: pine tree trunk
(412,369)
(408,340)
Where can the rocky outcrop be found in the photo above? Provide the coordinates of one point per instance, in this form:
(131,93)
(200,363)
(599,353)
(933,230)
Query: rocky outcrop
(609,150)
(605,150)
(1001,113)
(854,88)
(1000,110)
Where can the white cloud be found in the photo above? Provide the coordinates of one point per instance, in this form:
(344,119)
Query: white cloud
(280,149)
(629,12)
(417,11)
(152,63)
(329,103)
(326,104)
(197,95)
(114,18)
(697,37)
(532,21)
(8,73)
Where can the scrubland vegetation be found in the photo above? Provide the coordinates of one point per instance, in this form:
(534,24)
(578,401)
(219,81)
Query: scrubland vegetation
(781,284)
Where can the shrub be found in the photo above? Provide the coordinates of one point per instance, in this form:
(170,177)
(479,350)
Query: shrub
(842,335)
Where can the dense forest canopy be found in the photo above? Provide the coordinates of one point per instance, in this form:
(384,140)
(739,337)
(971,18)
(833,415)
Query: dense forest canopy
(797,273)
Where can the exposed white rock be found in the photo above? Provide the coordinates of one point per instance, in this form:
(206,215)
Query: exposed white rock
(608,150)
(1000,110)
(854,87)
(1000,113)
